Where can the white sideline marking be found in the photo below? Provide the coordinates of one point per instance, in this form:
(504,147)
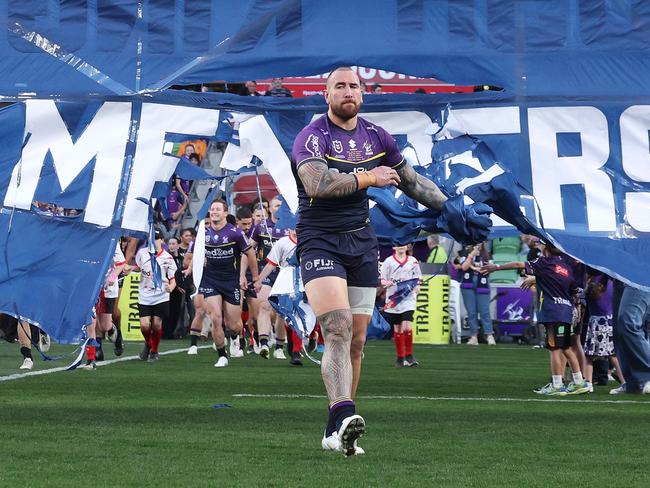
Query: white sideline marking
(17,376)
(442,399)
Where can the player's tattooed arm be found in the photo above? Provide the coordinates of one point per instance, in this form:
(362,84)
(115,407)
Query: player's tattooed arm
(321,182)
(420,188)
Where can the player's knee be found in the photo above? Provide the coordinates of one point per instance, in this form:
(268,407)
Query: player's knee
(337,324)
(356,347)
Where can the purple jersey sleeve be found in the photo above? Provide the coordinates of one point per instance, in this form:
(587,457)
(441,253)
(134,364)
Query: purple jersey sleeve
(393,157)
(191,248)
(310,144)
(255,235)
(242,240)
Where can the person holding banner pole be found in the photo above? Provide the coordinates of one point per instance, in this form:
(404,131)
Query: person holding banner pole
(153,300)
(277,258)
(335,159)
(400,267)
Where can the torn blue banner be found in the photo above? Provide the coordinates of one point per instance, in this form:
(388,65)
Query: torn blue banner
(51,270)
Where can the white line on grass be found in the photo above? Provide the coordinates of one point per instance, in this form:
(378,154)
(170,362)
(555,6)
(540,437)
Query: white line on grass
(440,399)
(17,376)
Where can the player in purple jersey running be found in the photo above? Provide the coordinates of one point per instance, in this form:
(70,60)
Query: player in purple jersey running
(334,160)
(221,283)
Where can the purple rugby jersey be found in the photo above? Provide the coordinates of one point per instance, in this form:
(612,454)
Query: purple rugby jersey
(266,237)
(361,149)
(555,286)
(223,249)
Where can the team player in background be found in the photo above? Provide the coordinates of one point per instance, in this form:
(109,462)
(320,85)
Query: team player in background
(334,160)
(264,237)
(279,256)
(153,301)
(395,269)
(555,288)
(221,283)
(244,221)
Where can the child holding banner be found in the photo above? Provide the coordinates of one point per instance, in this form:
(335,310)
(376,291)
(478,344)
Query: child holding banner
(400,274)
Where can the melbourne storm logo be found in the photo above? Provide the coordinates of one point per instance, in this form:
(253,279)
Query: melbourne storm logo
(311,144)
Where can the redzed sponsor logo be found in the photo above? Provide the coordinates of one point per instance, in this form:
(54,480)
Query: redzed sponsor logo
(561,270)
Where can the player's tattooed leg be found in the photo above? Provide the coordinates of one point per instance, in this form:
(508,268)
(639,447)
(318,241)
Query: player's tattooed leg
(336,367)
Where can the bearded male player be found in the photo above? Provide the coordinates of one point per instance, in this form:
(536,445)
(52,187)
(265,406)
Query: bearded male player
(335,159)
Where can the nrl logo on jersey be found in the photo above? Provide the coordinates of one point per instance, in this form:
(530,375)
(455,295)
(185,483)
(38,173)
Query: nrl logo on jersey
(338,146)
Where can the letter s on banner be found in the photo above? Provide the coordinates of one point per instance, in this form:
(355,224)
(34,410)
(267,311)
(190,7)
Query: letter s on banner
(635,124)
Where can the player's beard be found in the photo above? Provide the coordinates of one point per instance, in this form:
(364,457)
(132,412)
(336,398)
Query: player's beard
(346,110)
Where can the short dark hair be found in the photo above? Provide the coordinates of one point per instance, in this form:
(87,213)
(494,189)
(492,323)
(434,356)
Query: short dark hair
(230,218)
(244,213)
(222,202)
(188,229)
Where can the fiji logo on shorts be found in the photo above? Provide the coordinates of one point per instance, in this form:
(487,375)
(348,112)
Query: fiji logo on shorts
(319,264)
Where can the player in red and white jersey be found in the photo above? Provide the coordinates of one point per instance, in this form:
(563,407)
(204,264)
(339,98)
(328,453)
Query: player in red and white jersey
(153,302)
(397,268)
(278,257)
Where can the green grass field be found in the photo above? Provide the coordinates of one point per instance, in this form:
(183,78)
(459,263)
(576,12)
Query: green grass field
(466,417)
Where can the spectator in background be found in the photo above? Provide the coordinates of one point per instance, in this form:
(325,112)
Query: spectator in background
(599,339)
(631,309)
(420,91)
(376,88)
(364,87)
(475,289)
(176,206)
(277,90)
(188,150)
(251,87)
(437,254)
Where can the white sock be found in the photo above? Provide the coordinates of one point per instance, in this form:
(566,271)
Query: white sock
(577,378)
(557,381)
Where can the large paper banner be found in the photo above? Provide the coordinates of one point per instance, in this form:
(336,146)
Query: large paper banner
(72,174)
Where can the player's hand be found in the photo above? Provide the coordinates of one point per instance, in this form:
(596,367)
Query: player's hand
(257,285)
(243,283)
(385,176)
(488,268)
(187,271)
(167,288)
(528,283)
